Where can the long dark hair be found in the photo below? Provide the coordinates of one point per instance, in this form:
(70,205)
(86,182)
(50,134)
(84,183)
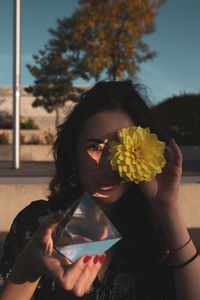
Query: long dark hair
(132,214)
(105,95)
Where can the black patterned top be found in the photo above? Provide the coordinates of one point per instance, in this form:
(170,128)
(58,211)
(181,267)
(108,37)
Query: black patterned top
(134,273)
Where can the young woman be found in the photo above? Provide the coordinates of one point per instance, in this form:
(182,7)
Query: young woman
(147,215)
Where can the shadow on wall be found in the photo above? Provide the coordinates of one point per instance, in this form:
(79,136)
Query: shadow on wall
(194,232)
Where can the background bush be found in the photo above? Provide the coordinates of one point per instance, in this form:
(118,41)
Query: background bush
(179,117)
(28,124)
(6,123)
(34,140)
(4,140)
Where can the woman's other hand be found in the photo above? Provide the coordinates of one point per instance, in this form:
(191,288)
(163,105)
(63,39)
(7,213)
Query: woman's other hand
(39,258)
(163,190)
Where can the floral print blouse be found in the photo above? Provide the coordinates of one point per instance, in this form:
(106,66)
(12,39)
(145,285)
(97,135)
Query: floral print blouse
(134,273)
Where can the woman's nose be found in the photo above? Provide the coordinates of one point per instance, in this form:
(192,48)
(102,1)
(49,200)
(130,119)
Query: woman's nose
(104,161)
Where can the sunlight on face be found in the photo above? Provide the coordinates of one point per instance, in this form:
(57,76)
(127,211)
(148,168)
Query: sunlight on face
(95,149)
(92,154)
(99,195)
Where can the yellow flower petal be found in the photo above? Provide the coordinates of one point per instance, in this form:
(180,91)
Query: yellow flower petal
(138,156)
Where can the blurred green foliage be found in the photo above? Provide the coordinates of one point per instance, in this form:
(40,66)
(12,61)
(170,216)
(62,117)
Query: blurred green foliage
(6,123)
(28,124)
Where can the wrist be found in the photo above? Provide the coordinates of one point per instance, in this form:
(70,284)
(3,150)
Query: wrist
(166,212)
(21,282)
(173,225)
(23,270)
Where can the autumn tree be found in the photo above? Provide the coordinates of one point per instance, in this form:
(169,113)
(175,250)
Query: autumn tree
(53,81)
(108,35)
(104,36)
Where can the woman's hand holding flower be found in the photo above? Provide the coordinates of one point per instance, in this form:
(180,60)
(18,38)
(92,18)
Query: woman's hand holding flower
(140,157)
(162,191)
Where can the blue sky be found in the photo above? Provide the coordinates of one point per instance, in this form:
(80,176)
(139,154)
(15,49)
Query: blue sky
(175,70)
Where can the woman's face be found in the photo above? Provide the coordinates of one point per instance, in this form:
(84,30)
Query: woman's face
(95,173)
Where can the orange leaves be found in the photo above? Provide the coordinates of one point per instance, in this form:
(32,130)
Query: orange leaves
(110,34)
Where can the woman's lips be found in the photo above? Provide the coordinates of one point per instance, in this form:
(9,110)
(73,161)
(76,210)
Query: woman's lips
(108,187)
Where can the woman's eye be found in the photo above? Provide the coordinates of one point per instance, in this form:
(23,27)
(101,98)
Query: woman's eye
(95,148)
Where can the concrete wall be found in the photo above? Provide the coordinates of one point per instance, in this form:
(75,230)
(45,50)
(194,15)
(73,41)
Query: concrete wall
(28,153)
(13,199)
(190,200)
(16,197)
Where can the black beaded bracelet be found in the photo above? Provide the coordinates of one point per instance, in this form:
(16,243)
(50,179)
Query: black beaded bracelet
(185,263)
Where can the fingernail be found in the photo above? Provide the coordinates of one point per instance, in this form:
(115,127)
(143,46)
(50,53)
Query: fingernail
(103,258)
(86,258)
(96,259)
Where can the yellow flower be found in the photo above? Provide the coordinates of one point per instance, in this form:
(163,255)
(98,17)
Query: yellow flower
(138,156)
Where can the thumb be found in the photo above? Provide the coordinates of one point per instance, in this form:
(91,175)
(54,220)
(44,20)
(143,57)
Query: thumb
(149,188)
(48,224)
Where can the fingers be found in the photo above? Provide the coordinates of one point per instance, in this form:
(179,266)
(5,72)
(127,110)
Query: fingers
(48,224)
(79,276)
(72,273)
(88,275)
(149,188)
(167,154)
(177,155)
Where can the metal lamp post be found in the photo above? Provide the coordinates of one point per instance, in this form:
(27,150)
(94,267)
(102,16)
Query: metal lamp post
(16,86)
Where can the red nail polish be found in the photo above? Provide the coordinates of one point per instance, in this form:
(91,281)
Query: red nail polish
(96,259)
(86,258)
(103,258)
